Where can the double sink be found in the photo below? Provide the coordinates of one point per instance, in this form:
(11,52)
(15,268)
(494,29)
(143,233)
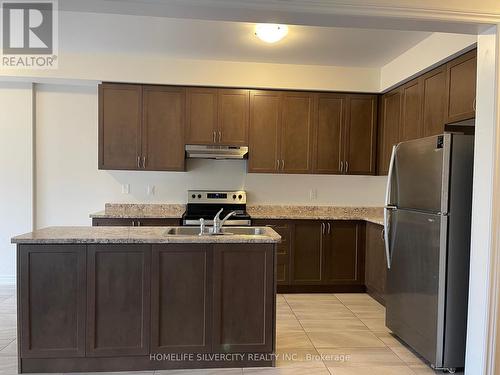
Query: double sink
(194,231)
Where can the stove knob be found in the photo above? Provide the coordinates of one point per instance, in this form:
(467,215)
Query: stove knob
(240,197)
(234,196)
(193,196)
(199,196)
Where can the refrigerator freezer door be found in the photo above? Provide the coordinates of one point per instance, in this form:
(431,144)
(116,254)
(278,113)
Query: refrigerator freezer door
(420,174)
(414,294)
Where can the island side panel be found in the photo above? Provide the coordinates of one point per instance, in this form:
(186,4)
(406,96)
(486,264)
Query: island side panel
(244,295)
(181,298)
(118,306)
(51,301)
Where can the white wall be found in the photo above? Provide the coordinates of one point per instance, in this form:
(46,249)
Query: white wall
(425,55)
(69,186)
(16,171)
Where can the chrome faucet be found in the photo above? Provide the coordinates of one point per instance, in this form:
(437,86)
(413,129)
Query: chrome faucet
(218,223)
(202,227)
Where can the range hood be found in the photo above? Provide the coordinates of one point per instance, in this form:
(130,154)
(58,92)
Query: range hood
(216,152)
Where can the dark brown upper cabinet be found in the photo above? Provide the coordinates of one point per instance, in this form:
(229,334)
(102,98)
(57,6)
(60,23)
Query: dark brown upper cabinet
(434,101)
(345,134)
(360,135)
(329,133)
(296,132)
(120,112)
(163,128)
(264,132)
(411,113)
(390,120)
(281,125)
(141,127)
(217,116)
(461,88)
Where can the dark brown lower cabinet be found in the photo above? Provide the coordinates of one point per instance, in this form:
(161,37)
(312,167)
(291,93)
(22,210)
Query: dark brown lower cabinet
(319,255)
(52,315)
(181,300)
(307,255)
(118,292)
(135,222)
(376,264)
(283,249)
(107,307)
(244,289)
(344,252)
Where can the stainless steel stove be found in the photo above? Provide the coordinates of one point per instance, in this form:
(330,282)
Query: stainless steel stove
(204,204)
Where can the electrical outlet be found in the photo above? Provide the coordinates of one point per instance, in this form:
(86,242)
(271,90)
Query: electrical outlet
(313,194)
(150,190)
(125,188)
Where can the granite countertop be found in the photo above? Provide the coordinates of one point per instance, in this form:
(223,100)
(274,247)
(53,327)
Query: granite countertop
(371,214)
(108,235)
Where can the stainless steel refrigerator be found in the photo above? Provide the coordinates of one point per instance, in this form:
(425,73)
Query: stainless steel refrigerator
(427,221)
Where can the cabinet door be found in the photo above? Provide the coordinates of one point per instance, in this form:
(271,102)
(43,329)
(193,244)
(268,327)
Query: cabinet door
(411,115)
(461,87)
(233,117)
(296,132)
(434,101)
(361,135)
(329,133)
(307,252)
(163,128)
(244,291)
(265,119)
(118,298)
(120,111)
(181,298)
(375,265)
(52,315)
(390,121)
(201,116)
(343,258)
(283,249)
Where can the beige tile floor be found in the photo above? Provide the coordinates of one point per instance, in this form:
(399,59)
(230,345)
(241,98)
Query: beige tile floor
(317,334)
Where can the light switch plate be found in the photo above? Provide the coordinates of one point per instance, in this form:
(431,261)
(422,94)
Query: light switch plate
(125,188)
(150,190)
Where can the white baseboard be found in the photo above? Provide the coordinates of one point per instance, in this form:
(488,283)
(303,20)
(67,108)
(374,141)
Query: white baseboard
(7,279)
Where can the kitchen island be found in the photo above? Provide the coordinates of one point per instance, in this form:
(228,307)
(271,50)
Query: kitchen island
(145,298)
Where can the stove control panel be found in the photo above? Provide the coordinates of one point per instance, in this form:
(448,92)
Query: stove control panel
(212,196)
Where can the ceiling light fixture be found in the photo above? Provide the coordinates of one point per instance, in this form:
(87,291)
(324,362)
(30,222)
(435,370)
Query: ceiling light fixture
(270,32)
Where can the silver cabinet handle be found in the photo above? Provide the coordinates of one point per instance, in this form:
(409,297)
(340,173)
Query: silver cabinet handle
(474,104)
(277,164)
(220,137)
(341,167)
(138,162)
(322,228)
(382,234)
(282,165)
(133,223)
(214,135)
(138,223)
(329,228)
(346,166)
(144,162)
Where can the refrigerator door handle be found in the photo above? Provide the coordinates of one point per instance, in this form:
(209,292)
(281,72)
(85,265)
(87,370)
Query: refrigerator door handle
(388,206)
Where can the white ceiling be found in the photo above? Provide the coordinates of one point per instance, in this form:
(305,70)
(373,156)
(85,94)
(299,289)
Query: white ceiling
(231,41)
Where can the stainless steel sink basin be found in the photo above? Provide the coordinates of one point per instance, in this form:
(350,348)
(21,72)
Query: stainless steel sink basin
(194,231)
